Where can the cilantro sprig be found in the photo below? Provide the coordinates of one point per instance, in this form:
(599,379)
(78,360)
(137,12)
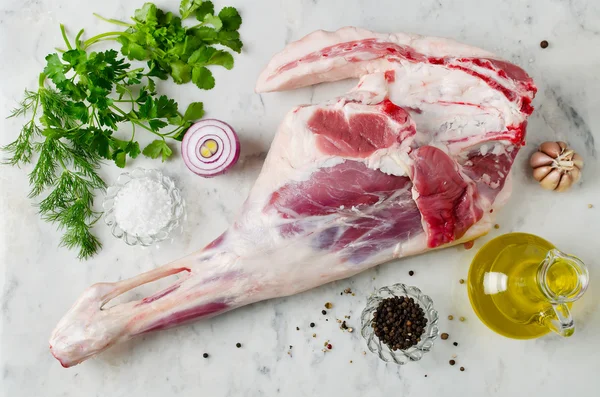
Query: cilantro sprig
(84,97)
(184,53)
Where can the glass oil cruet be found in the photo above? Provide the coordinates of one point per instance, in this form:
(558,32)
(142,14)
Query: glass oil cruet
(523,287)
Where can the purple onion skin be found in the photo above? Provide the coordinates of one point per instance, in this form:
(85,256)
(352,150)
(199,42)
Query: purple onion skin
(228,167)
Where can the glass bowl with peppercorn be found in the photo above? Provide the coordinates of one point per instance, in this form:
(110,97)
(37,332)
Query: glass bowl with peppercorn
(399,323)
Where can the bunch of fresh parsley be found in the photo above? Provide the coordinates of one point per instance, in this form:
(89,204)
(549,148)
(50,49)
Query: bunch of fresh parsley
(83,97)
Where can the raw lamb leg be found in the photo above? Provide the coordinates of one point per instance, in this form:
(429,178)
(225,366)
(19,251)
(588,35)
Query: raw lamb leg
(416,157)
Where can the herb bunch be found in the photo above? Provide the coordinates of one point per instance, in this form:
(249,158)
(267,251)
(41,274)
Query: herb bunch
(84,97)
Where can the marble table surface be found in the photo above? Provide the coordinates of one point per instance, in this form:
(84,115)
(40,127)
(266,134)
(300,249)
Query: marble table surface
(39,281)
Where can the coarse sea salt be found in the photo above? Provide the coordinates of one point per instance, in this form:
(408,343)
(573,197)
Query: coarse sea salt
(143,207)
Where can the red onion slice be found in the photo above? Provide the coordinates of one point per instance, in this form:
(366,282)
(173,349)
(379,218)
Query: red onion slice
(210,147)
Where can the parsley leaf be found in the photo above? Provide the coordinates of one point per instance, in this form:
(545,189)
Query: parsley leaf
(194,111)
(119,157)
(133,149)
(203,78)
(55,69)
(181,72)
(210,56)
(213,20)
(158,148)
(230,18)
(206,8)
(157,124)
(187,7)
(147,14)
(165,107)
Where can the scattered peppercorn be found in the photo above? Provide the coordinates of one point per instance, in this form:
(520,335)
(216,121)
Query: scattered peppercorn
(444,336)
(590,206)
(455,343)
(328,305)
(350,361)
(326,319)
(462,368)
(411,273)
(496,226)
(399,322)
(312,325)
(462,319)
(348,291)
(462,281)
(344,326)
(452,362)
(451,317)
(238,345)
(426,376)
(314,335)
(291,346)
(205,355)
(297,329)
(544,44)
(329,346)
(323,312)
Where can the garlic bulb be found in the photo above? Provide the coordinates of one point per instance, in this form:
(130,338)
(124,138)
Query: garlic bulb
(556,166)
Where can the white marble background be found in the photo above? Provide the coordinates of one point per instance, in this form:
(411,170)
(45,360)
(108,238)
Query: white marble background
(39,282)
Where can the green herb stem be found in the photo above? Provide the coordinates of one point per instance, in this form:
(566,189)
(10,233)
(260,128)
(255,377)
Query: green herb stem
(113,21)
(64,35)
(101,37)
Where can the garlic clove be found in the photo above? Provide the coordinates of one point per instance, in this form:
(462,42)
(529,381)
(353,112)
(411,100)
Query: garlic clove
(539,159)
(565,183)
(578,161)
(540,173)
(552,149)
(575,174)
(551,181)
(563,146)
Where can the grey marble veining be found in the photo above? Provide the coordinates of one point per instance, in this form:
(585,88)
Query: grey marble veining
(38,281)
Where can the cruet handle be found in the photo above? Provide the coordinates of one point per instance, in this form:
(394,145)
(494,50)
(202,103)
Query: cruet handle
(559,320)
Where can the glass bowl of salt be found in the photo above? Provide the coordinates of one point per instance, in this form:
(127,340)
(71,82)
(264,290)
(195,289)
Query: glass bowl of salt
(143,207)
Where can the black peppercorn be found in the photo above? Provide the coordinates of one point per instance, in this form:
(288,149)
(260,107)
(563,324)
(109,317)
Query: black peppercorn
(238,345)
(455,343)
(312,325)
(399,322)
(205,355)
(323,312)
(411,273)
(544,44)
(452,362)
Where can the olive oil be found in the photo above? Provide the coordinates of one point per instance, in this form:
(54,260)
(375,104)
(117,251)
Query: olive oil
(512,286)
